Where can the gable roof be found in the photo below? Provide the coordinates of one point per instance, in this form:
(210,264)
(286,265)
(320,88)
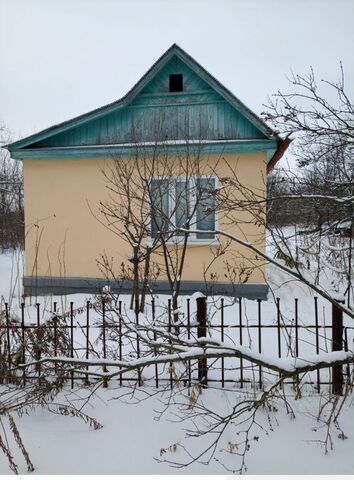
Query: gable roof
(174,50)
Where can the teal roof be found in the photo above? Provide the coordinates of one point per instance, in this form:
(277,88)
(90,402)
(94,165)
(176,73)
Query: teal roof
(204,111)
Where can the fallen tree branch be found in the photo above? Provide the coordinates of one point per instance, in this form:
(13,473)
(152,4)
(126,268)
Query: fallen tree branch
(294,273)
(210,349)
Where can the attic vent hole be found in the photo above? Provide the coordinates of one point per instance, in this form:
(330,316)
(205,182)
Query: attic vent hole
(176,82)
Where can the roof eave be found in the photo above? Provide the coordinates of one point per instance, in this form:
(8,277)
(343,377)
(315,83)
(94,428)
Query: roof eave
(232,146)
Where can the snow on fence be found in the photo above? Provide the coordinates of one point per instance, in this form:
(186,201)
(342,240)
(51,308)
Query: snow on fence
(91,331)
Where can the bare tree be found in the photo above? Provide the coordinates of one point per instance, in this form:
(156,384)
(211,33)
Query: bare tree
(245,417)
(322,124)
(151,193)
(322,191)
(324,148)
(137,211)
(11,198)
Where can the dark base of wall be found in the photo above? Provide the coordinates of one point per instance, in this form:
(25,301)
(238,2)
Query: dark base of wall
(64,286)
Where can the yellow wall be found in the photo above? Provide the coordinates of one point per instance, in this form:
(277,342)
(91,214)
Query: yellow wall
(63,237)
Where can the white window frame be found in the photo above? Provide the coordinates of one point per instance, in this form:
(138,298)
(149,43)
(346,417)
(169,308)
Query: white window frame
(192,237)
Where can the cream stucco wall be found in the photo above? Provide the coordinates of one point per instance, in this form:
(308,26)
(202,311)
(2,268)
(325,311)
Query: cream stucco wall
(63,237)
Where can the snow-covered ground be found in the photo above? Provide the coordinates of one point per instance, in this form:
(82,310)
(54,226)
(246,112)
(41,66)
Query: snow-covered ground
(131,440)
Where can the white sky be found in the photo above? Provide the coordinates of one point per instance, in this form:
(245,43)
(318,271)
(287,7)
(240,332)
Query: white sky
(61,58)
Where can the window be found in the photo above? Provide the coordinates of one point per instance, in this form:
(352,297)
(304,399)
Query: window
(176,82)
(205,211)
(179,201)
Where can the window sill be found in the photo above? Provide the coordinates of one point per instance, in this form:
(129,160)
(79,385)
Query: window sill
(192,242)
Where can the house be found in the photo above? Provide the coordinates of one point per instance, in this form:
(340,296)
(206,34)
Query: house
(177,107)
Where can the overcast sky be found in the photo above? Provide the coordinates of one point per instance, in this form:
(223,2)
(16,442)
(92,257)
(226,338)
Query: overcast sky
(61,58)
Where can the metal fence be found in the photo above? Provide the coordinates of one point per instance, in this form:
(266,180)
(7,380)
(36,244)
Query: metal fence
(91,332)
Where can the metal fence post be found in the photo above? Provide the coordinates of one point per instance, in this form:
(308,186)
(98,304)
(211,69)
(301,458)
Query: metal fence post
(38,339)
(201,332)
(138,345)
(55,334)
(222,339)
(279,326)
(72,339)
(120,339)
(170,331)
(88,306)
(23,338)
(8,343)
(240,326)
(104,383)
(153,310)
(189,337)
(259,301)
(317,343)
(297,332)
(337,344)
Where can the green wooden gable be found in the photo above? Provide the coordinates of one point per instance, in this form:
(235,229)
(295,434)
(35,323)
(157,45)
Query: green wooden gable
(202,111)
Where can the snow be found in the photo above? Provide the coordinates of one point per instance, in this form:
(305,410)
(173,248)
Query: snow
(197,295)
(287,365)
(11,272)
(132,438)
(106,289)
